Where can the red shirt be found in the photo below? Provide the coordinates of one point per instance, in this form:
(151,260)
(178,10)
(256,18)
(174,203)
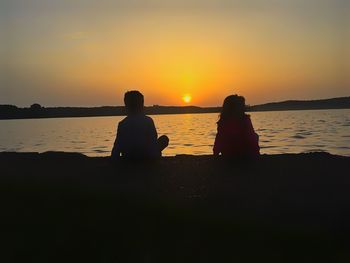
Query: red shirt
(236,137)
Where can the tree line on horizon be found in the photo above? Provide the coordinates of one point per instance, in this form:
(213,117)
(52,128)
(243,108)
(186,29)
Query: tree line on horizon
(38,111)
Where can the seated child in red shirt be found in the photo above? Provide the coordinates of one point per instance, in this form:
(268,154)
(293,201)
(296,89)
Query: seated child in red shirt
(236,136)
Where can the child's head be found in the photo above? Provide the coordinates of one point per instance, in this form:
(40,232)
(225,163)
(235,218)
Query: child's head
(234,106)
(133,102)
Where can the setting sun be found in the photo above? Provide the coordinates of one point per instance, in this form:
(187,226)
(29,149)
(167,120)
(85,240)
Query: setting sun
(187,98)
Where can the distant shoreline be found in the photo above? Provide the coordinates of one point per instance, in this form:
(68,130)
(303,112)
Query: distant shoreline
(36,111)
(155,114)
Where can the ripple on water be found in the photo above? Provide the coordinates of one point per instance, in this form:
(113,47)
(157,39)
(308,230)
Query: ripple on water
(267,147)
(319,145)
(14,149)
(314,150)
(342,147)
(298,136)
(75,142)
(100,151)
(306,133)
(99,147)
(78,148)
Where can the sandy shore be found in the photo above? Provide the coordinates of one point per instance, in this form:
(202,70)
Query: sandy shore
(281,208)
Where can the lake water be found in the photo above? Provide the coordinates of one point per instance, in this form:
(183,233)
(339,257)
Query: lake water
(280,132)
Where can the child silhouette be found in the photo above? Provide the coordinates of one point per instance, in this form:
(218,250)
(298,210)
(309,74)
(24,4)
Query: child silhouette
(235,135)
(136,134)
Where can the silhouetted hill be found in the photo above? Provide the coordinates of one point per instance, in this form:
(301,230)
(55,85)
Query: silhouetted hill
(36,111)
(335,103)
(13,112)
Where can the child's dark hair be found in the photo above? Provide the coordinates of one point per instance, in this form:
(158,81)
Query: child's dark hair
(234,106)
(134,101)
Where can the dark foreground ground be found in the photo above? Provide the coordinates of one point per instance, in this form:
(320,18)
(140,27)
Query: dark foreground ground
(59,207)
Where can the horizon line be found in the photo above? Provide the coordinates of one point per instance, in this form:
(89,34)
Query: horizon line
(158,105)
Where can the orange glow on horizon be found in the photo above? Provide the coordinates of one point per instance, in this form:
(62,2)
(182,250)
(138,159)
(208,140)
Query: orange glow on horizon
(167,57)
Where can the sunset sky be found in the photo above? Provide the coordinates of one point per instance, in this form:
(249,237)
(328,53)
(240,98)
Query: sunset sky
(89,52)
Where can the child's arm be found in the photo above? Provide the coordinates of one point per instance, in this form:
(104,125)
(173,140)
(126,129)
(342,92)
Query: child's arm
(218,143)
(253,138)
(116,151)
(153,131)
(153,139)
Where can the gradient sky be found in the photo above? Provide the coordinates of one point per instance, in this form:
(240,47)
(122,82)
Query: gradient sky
(89,52)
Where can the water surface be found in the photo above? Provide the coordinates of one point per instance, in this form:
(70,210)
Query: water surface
(279,131)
